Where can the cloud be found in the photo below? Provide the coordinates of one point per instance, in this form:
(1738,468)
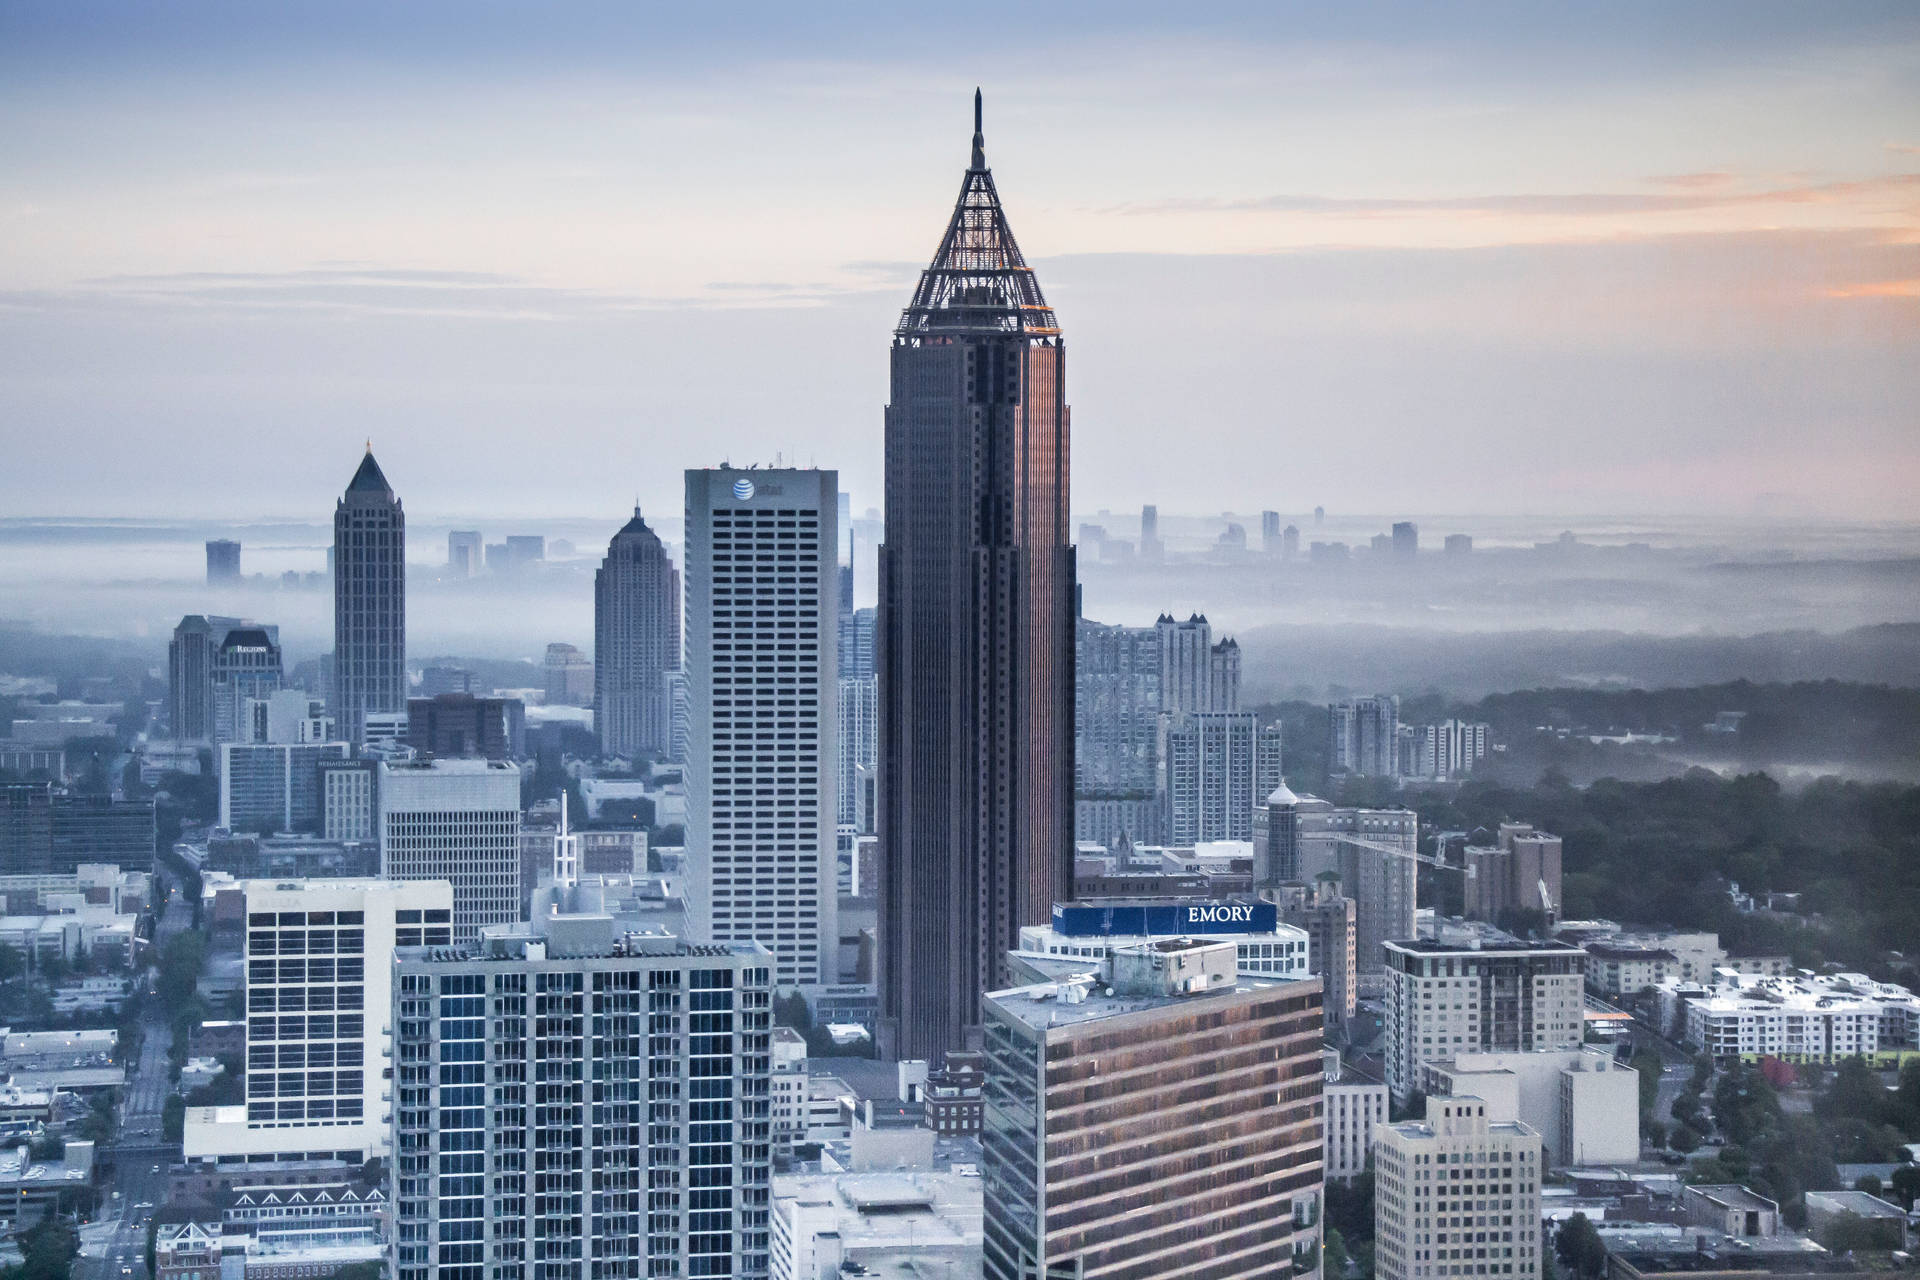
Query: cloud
(1694,181)
(1877,289)
(1904,148)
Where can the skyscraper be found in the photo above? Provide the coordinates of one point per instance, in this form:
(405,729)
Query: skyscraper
(1363,737)
(761,658)
(636,642)
(204,653)
(977,615)
(1151,548)
(1220,765)
(369,602)
(464,553)
(223,562)
(455,820)
(1195,673)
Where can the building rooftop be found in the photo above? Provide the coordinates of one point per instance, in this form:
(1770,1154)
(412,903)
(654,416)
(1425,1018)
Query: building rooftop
(1858,1202)
(1491,945)
(1733,1196)
(1076,993)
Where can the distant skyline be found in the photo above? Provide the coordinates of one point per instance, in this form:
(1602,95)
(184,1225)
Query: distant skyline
(1487,258)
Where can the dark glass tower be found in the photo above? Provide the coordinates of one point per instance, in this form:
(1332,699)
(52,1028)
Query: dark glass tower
(369,602)
(636,642)
(976,621)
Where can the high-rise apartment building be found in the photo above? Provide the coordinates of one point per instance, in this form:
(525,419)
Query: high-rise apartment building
(1330,920)
(1195,673)
(1520,874)
(569,676)
(976,619)
(1457,1195)
(1116,713)
(223,562)
(318,957)
(1444,999)
(761,653)
(466,553)
(636,643)
(1219,765)
(1447,750)
(369,602)
(572,1103)
(458,821)
(1158,1118)
(1372,853)
(1364,737)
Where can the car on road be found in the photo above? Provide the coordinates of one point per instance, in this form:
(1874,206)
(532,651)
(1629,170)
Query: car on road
(156,1168)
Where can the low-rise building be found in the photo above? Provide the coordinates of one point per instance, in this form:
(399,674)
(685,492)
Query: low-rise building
(1799,1018)
(1457,1195)
(31,1189)
(1584,1104)
(954,1094)
(1730,1210)
(1356,1102)
(1885,1224)
(825,1224)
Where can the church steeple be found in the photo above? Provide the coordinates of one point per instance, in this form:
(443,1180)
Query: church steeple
(978,282)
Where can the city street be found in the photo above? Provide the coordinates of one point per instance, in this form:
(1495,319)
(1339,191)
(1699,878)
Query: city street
(114,1248)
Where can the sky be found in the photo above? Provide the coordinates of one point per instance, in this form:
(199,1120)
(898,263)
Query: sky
(1625,258)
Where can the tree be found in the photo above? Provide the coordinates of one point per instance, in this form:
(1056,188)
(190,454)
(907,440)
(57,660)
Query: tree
(1649,1065)
(1655,1133)
(173,1118)
(1579,1248)
(1335,1255)
(1684,1139)
(12,964)
(1869,1183)
(1854,1093)
(1904,1186)
(48,1249)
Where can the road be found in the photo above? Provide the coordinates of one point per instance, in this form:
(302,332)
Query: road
(115,1247)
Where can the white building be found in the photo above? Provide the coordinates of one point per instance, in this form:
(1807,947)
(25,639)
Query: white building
(319,983)
(1584,1104)
(789,1089)
(762,648)
(859,747)
(823,1222)
(1278,951)
(458,821)
(1445,999)
(1355,1104)
(347,809)
(1800,1018)
(1456,1194)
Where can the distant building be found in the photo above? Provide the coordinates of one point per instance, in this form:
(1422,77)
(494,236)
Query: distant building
(1371,852)
(636,643)
(349,804)
(199,659)
(859,748)
(26,828)
(369,603)
(1425,1174)
(1444,1000)
(461,726)
(524,549)
(1270,532)
(246,673)
(435,681)
(223,562)
(465,553)
(1459,544)
(1152,550)
(1195,673)
(1117,702)
(1219,766)
(455,820)
(1290,543)
(1520,874)
(1406,540)
(1180,1114)
(1364,736)
(569,675)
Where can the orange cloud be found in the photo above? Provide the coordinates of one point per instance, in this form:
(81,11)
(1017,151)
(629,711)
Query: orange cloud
(1694,181)
(1878,289)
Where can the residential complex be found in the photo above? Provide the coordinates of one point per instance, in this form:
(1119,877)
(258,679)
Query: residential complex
(1799,1017)
(1445,999)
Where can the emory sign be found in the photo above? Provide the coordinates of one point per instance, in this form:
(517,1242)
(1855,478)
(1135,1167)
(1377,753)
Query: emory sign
(1166,919)
(1228,913)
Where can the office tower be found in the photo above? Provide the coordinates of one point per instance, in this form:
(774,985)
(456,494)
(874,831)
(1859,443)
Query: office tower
(459,725)
(495,554)
(98,828)
(435,681)
(223,562)
(1458,544)
(1444,999)
(1406,540)
(369,602)
(1195,673)
(1518,877)
(859,743)
(1330,920)
(856,648)
(1219,767)
(1457,1195)
(246,670)
(26,828)
(680,702)
(523,550)
(1270,532)
(274,787)
(318,1007)
(1290,542)
(192,667)
(349,805)
(1364,737)
(569,676)
(1151,548)
(761,652)
(465,553)
(976,616)
(1160,1117)
(1319,515)
(573,1103)
(636,643)
(459,821)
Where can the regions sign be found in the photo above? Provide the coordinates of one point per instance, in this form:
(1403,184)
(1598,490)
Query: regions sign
(1163,919)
